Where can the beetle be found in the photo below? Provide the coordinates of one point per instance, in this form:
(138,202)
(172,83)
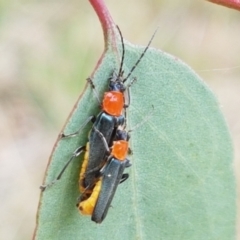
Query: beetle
(97,201)
(107,121)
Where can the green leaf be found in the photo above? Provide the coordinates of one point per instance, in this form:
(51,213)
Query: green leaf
(181,183)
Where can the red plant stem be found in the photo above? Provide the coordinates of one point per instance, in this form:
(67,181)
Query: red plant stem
(105,18)
(235,4)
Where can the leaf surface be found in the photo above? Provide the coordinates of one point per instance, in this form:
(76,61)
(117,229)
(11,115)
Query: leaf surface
(181,183)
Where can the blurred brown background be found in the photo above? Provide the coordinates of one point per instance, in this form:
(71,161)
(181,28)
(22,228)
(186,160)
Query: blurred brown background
(48,49)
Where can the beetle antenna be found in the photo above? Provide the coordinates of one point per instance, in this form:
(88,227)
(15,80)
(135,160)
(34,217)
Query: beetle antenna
(145,119)
(139,59)
(123,51)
